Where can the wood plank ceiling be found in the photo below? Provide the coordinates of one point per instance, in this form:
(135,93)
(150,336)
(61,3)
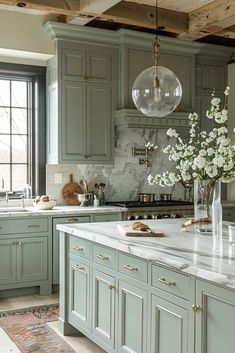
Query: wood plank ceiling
(204,20)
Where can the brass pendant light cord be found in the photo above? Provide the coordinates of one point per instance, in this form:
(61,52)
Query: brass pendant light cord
(156,42)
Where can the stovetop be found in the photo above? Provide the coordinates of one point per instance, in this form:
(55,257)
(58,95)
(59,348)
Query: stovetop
(134,204)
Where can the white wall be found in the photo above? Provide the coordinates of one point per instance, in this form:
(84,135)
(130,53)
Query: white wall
(231,121)
(22,38)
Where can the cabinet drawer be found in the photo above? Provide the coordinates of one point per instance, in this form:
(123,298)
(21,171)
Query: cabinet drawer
(133,267)
(103,256)
(107,217)
(171,281)
(29,225)
(79,247)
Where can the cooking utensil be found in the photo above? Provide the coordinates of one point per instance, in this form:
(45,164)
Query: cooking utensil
(165,197)
(85,199)
(146,197)
(70,191)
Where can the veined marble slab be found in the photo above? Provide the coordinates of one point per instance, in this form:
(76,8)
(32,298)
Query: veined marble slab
(188,251)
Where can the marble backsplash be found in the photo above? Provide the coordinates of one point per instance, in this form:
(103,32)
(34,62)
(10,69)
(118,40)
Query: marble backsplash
(125,179)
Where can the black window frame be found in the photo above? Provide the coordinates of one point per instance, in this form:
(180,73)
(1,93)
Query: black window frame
(37,76)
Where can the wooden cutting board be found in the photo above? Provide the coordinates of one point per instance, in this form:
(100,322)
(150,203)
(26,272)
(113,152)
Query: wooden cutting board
(127,231)
(70,191)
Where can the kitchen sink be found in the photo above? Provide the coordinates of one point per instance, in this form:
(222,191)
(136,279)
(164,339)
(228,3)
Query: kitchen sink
(12,209)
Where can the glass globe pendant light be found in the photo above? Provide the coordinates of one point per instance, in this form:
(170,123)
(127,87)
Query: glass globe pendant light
(156,91)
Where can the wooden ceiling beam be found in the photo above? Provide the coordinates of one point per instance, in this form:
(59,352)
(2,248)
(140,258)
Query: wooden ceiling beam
(92,6)
(210,19)
(134,14)
(60,7)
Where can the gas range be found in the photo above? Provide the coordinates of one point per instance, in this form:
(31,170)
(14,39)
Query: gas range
(155,209)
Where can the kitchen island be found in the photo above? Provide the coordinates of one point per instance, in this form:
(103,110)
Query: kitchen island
(134,294)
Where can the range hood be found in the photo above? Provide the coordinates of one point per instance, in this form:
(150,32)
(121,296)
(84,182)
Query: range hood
(132,118)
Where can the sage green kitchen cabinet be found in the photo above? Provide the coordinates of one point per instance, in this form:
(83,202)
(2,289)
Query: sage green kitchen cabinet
(55,241)
(25,245)
(103,307)
(86,122)
(85,64)
(79,294)
(169,328)
(24,259)
(96,217)
(82,88)
(215,319)
(126,303)
(211,78)
(7,261)
(132,319)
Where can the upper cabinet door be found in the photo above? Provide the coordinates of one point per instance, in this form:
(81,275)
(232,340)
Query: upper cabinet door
(99,117)
(85,65)
(98,67)
(73,122)
(210,78)
(73,65)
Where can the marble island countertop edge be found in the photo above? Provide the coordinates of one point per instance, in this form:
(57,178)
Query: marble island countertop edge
(176,251)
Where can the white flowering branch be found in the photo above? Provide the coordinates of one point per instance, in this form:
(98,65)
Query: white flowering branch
(205,155)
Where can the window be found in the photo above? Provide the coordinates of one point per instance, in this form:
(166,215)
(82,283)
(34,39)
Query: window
(22,126)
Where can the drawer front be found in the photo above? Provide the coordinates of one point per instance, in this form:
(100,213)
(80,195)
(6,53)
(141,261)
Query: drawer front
(79,247)
(109,217)
(103,256)
(29,225)
(171,281)
(133,267)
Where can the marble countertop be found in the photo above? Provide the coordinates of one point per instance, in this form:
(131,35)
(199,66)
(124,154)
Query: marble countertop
(57,210)
(188,251)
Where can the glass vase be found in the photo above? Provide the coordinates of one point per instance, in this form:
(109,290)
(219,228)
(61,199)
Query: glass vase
(217,219)
(208,210)
(203,196)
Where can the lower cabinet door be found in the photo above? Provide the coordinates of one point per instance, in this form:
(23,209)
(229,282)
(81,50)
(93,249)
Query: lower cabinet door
(169,329)
(132,319)
(79,295)
(32,255)
(103,313)
(215,319)
(7,261)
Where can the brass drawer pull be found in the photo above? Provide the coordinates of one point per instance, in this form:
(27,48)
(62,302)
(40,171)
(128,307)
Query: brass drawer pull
(130,268)
(33,226)
(103,257)
(71,220)
(196,308)
(78,248)
(19,243)
(78,268)
(111,286)
(168,283)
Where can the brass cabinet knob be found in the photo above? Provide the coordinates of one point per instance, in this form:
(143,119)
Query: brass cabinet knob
(196,308)
(111,286)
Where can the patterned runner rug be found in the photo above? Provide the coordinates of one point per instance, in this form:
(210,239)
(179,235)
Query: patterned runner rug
(28,329)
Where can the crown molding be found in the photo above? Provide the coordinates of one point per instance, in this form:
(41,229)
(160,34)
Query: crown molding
(132,118)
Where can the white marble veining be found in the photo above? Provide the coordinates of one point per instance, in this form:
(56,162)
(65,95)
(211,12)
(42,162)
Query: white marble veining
(125,179)
(185,251)
(58,210)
